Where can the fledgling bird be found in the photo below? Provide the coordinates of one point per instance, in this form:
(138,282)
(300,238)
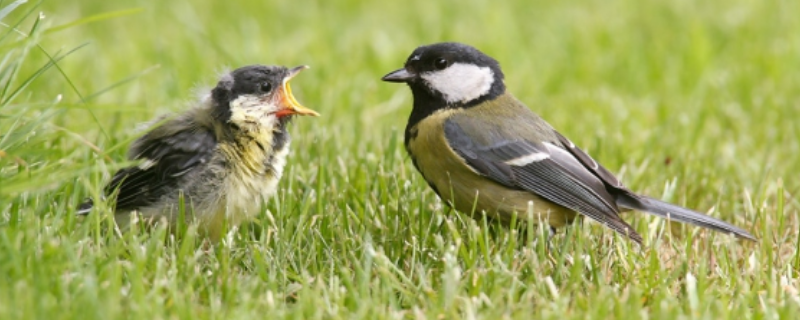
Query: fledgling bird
(223,157)
(484,152)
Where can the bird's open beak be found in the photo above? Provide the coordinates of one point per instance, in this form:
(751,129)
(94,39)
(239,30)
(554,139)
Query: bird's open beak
(290,104)
(399,75)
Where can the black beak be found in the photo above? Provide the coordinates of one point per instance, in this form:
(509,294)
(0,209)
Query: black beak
(400,75)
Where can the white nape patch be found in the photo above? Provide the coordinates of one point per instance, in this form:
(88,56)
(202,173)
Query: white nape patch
(528,159)
(226,76)
(460,82)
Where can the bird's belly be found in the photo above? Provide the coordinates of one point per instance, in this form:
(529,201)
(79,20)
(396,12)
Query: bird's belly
(479,196)
(242,195)
(469,192)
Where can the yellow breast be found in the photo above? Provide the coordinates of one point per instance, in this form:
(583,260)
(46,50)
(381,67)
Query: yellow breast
(252,177)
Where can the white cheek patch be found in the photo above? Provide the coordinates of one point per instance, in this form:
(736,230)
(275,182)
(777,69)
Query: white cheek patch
(461,82)
(252,110)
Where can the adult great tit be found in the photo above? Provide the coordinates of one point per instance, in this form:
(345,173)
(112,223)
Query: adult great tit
(222,157)
(484,152)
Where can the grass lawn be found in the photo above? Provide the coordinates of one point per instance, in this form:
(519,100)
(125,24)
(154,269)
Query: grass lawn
(695,102)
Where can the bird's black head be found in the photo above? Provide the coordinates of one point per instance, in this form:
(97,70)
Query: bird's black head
(446,75)
(256,92)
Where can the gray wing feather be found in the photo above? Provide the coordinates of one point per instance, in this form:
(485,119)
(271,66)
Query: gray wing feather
(555,175)
(172,155)
(630,200)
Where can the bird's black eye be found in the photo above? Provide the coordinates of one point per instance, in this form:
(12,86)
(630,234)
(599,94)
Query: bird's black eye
(265,87)
(440,63)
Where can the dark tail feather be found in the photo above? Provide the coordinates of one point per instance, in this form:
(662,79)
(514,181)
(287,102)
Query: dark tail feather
(85,207)
(677,213)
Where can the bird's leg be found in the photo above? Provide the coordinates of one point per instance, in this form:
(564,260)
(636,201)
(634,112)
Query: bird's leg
(549,246)
(550,236)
